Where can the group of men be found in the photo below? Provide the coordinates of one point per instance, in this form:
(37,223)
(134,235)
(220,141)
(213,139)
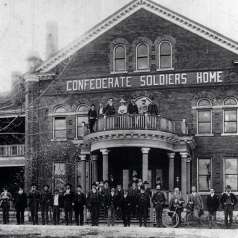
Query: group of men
(109,110)
(113,202)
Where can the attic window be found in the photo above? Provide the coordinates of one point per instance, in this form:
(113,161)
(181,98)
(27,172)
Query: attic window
(119,58)
(142,56)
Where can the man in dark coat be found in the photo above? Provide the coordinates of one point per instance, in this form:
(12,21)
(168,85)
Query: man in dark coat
(132,107)
(126,208)
(158,201)
(133,193)
(228,202)
(93,204)
(68,204)
(34,200)
(152,108)
(119,194)
(143,206)
(20,205)
(92,117)
(45,203)
(111,205)
(79,203)
(57,203)
(212,206)
(109,110)
(5,199)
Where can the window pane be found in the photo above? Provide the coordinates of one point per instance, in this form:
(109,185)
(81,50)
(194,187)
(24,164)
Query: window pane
(119,52)
(120,65)
(60,127)
(142,63)
(230,115)
(204,116)
(204,128)
(231,166)
(232,181)
(204,183)
(230,127)
(59,168)
(230,101)
(165,48)
(204,102)
(204,166)
(142,50)
(165,62)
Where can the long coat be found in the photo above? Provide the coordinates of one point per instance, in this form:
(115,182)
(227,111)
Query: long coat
(20,201)
(34,199)
(225,198)
(68,200)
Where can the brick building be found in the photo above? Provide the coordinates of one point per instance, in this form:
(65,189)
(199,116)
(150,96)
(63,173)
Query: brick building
(154,55)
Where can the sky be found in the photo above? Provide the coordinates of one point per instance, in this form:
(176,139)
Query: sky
(23,24)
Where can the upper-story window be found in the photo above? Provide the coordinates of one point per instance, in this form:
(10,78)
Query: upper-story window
(165,55)
(119,58)
(59,123)
(82,120)
(204,117)
(230,115)
(142,56)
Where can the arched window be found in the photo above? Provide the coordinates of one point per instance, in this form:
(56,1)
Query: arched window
(82,120)
(204,117)
(59,123)
(230,115)
(165,55)
(142,56)
(119,58)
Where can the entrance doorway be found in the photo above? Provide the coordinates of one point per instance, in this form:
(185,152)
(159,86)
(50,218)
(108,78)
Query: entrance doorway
(12,178)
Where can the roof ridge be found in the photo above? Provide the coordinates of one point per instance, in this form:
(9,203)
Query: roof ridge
(125,12)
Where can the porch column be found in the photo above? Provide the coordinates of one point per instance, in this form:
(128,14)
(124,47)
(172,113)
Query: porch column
(104,163)
(171,171)
(83,171)
(188,174)
(145,163)
(94,168)
(184,156)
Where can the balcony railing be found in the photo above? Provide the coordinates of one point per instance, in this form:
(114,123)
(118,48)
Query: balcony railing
(140,122)
(12,150)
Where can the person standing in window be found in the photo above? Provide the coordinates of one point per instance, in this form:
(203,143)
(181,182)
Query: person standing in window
(34,200)
(109,110)
(20,205)
(195,200)
(152,108)
(228,202)
(92,117)
(212,206)
(5,199)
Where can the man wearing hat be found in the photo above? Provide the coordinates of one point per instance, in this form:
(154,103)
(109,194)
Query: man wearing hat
(133,193)
(143,206)
(158,201)
(152,108)
(68,204)
(147,189)
(132,107)
(34,200)
(79,203)
(45,203)
(228,202)
(122,108)
(92,117)
(93,204)
(109,110)
(125,206)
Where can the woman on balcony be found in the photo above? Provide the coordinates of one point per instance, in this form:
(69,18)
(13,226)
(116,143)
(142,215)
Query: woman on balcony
(122,111)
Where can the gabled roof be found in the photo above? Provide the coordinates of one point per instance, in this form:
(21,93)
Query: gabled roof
(125,12)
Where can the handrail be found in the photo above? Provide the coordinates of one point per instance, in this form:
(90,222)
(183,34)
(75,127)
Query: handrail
(140,122)
(12,150)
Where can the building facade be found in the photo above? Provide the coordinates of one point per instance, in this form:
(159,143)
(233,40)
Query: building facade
(155,56)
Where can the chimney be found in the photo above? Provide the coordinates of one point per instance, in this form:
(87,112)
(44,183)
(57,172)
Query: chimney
(51,39)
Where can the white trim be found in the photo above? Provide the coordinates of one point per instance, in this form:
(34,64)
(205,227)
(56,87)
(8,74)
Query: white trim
(127,11)
(113,58)
(121,72)
(167,69)
(204,134)
(171,54)
(148,56)
(215,107)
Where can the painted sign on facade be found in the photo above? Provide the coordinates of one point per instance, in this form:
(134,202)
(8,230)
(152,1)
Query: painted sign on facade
(150,80)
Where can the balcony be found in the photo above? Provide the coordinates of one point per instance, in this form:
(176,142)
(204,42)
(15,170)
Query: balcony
(138,131)
(12,155)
